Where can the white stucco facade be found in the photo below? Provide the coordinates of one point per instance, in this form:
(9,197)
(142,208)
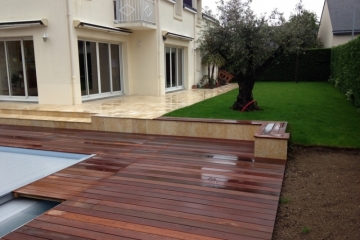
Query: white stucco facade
(87,50)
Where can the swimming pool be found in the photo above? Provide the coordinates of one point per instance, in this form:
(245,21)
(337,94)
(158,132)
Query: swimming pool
(19,167)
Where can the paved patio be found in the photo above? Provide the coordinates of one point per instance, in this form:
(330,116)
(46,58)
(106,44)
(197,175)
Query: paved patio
(135,106)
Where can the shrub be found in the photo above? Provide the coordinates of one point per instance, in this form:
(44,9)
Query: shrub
(345,69)
(314,66)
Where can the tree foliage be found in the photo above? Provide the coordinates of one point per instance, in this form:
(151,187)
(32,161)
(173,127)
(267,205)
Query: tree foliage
(249,42)
(212,60)
(304,26)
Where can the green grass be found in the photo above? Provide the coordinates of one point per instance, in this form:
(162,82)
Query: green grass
(305,230)
(318,114)
(284,200)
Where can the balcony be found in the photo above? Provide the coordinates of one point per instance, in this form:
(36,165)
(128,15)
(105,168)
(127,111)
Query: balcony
(135,14)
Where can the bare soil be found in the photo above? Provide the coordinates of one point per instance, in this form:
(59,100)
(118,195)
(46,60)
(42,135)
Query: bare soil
(322,187)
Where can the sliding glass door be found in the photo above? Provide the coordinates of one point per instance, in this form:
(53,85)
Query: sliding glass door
(99,68)
(18,69)
(4,81)
(174,68)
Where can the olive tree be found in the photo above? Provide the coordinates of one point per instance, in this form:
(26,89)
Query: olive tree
(250,43)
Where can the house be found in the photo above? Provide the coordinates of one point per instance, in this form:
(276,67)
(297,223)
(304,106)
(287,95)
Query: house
(69,51)
(337,21)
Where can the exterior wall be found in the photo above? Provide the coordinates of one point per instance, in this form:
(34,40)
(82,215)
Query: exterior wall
(325,30)
(342,39)
(144,63)
(52,57)
(187,25)
(100,12)
(143,53)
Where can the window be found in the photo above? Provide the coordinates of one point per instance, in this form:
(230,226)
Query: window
(104,67)
(115,67)
(18,69)
(188,2)
(100,69)
(115,10)
(174,68)
(4,84)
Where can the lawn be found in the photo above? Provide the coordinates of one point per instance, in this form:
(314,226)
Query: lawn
(318,114)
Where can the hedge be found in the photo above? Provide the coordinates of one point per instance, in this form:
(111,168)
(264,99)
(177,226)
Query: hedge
(314,66)
(345,69)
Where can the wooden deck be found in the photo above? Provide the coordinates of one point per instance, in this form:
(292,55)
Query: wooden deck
(150,187)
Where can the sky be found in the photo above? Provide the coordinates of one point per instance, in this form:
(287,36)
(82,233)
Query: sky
(285,6)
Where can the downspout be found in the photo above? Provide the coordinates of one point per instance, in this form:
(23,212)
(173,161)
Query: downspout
(353,27)
(158,30)
(195,65)
(71,49)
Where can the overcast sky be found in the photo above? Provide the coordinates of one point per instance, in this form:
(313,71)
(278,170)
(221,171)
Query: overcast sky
(285,6)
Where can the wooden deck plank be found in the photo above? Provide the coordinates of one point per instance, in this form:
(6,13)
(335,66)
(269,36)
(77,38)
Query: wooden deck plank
(185,189)
(118,205)
(151,187)
(204,173)
(233,217)
(20,236)
(195,187)
(185,199)
(181,204)
(141,224)
(73,231)
(193,197)
(46,234)
(181,174)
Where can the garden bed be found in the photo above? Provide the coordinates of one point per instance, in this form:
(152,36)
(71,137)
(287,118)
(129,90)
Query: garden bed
(320,195)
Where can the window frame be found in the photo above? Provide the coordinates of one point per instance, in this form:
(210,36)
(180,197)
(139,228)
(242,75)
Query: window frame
(101,94)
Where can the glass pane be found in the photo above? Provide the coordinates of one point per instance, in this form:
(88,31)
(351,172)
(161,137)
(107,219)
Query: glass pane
(92,71)
(168,67)
(104,67)
(4,85)
(115,67)
(30,68)
(180,67)
(16,68)
(188,2)
(82,67)
(173,67)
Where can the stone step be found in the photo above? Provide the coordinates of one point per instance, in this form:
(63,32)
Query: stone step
(44,113)
(46,118)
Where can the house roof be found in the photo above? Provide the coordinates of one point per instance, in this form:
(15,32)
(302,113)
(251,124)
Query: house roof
(342,13)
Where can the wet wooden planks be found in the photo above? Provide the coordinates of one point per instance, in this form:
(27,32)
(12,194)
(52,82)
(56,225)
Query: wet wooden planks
(153,187)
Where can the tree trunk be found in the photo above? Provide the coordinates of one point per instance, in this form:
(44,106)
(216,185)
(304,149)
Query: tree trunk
(209,72)
(212,71)
(212,80)
(245,96)
(297,68)
(246,83)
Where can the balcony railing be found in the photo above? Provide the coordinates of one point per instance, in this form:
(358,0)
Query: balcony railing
(132,11)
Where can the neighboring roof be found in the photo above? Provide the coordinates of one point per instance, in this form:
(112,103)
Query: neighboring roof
(210,18)
(342,13)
